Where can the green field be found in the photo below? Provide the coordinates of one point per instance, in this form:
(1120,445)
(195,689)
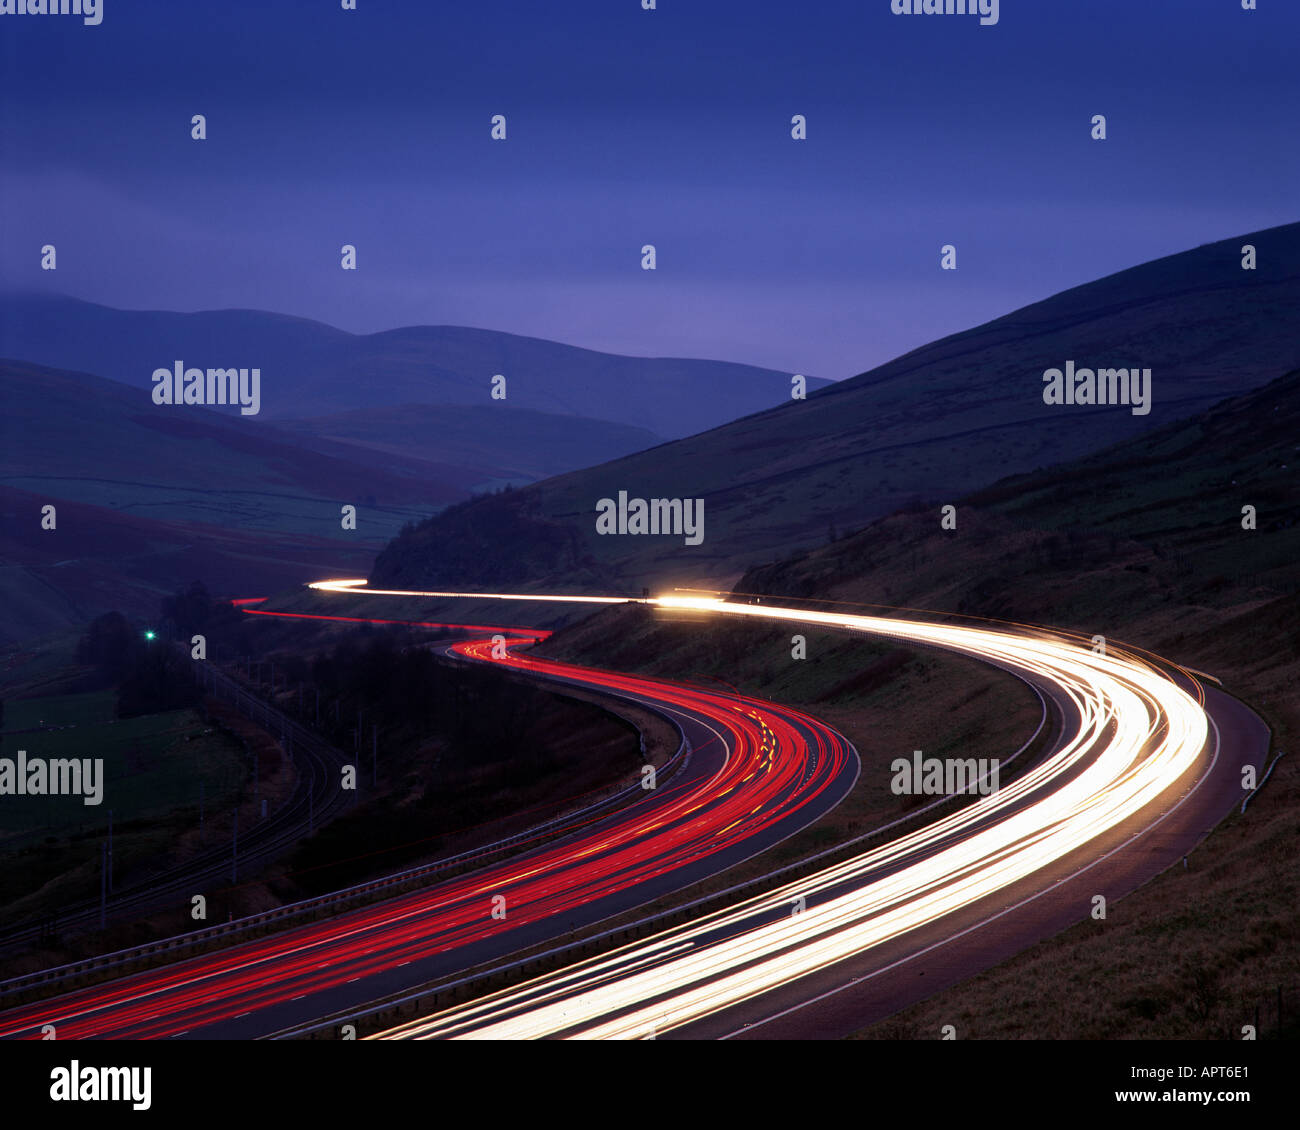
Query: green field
(153,766)
(57,710)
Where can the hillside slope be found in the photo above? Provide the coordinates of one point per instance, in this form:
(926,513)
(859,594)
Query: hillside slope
(932,425)
(82,438)
(498,444)
(1149,532)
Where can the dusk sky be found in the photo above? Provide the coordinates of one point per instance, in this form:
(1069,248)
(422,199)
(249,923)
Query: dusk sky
(627,127)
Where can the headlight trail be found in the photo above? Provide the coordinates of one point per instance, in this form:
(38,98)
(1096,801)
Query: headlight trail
(1138,738)
(355,587)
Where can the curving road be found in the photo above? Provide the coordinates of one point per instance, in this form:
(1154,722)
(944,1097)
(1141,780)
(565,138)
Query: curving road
(1148,761)
(756,773)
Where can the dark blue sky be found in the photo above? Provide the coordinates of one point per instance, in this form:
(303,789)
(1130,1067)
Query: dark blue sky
(627,127)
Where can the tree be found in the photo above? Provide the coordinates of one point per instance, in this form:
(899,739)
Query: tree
(110,644)
(189,610)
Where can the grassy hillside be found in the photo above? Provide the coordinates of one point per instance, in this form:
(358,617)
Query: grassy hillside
(499,444)
(149,498)
(1148,531)
(956,415)
(99,559)
(80,437)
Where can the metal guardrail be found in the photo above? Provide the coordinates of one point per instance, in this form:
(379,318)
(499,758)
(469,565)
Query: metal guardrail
(311,905)
(648,923)
(1263,781)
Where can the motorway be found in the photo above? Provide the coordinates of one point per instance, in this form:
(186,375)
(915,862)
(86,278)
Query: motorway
(1149,760)
(1145,761)
(755,774)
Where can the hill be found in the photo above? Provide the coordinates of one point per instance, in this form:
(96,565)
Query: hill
(148,499)
(933,425)
(311,369)
(1150,533)
(81,438)
(498,444)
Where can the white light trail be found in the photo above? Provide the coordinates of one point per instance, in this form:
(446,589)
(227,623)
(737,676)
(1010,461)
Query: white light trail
(1138,736)
(351,587)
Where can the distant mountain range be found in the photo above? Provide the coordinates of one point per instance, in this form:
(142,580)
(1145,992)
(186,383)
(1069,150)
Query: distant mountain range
(310,369)
(932,425)
(151,497)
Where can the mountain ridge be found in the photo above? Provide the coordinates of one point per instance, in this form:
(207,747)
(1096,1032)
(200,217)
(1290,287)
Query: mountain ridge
(310,368)
(937,422)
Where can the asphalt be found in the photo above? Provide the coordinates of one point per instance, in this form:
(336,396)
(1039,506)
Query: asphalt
(887,979)
(272,1006)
